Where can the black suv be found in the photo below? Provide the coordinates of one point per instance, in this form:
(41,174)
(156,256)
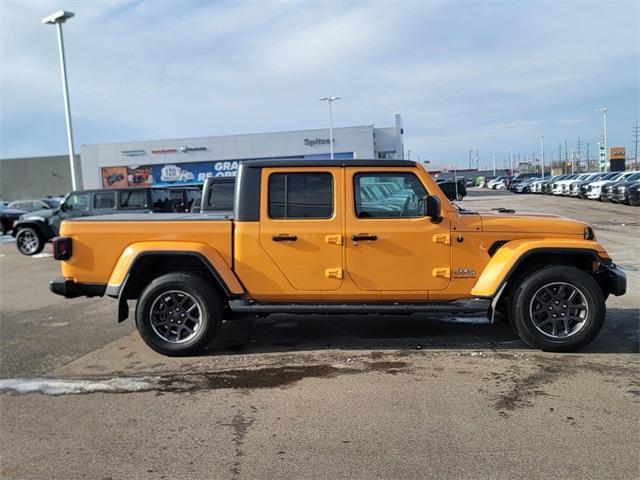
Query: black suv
(34,229)
(14,210)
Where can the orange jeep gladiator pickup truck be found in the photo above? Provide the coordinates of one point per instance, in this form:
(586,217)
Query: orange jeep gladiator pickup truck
(340,237)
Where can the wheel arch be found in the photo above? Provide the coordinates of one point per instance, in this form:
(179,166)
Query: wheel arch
(136,268)
(41,227)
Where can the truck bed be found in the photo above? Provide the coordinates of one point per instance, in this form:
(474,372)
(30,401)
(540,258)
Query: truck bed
(108,236)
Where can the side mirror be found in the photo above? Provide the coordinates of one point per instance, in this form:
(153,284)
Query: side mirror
(432,207)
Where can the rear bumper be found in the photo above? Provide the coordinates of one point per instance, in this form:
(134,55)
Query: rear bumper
(70,289)
(614,279)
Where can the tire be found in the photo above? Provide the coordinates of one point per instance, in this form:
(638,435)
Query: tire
(29,241)
(543,293)
(178,314)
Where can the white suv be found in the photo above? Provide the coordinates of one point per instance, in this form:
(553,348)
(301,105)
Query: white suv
(559,186)
(595,189)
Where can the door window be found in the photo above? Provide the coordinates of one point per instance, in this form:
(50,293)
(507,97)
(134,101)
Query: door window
(388,195)
(300,195)
(104,200)
(77,202)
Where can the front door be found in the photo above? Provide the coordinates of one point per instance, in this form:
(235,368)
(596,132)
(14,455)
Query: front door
(301,225)
(390,246)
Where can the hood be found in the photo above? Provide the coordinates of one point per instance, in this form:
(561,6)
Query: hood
(13,211)
(44,214)
(531,223)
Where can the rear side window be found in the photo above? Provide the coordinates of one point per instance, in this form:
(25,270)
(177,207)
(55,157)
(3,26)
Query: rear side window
(300,195)
(221,197)
(104,200)
(133,199)
(387,195)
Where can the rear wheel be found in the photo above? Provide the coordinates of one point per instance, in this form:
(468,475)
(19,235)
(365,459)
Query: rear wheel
(178,314)
(29,241)
(558,308)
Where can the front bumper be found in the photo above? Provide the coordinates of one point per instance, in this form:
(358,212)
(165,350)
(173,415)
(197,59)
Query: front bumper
(613,279)
(594,194)
(71,289)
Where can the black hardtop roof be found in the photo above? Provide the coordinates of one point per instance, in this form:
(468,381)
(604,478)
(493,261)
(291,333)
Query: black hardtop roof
(328,163)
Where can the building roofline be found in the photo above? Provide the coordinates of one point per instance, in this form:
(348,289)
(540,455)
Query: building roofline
(372,126)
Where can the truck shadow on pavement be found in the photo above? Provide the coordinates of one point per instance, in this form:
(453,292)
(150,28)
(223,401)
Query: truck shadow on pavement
(282,333)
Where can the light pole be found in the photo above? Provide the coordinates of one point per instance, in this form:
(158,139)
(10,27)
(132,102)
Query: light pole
(542,153)
(58,19)
(330,100)
(606,154)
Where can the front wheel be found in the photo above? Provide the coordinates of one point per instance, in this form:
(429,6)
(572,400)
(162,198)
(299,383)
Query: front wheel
(177,314)
(558,309)
(29,241)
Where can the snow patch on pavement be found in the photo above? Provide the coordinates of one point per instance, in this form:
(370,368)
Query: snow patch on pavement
(50,386)
(41,255)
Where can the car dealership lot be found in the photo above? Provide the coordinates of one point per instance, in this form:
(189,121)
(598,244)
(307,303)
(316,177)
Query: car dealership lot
(323,397)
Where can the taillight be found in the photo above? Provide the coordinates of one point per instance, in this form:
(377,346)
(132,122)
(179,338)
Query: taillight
(62,248)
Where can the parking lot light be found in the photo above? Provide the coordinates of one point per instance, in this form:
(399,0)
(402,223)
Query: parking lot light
(330,100)
(58,18)
(606,154)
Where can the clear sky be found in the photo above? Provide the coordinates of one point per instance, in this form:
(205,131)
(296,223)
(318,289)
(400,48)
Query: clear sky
(468,75)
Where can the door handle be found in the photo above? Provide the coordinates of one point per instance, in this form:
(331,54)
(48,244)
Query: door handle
(285,237)
(363,236)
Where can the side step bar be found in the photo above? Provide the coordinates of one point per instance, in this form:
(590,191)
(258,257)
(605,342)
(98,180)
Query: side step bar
(458,306)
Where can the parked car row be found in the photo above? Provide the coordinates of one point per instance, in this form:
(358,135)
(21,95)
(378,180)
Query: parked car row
(617,187)
(33,229)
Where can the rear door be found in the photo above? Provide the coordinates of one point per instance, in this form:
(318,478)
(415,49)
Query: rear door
(301,225)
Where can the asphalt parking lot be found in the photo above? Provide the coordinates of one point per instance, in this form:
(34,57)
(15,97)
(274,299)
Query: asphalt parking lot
(323,397)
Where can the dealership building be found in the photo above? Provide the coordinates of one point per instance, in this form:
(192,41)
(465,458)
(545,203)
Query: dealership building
(184,161)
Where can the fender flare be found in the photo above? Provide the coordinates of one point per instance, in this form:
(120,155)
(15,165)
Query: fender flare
(135,253)
(509,256)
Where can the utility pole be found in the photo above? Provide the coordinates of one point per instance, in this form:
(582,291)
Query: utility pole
(587,144)
(477,160)
(470,160)
(559,154)
(636,135)
(579,154)
(542,153)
